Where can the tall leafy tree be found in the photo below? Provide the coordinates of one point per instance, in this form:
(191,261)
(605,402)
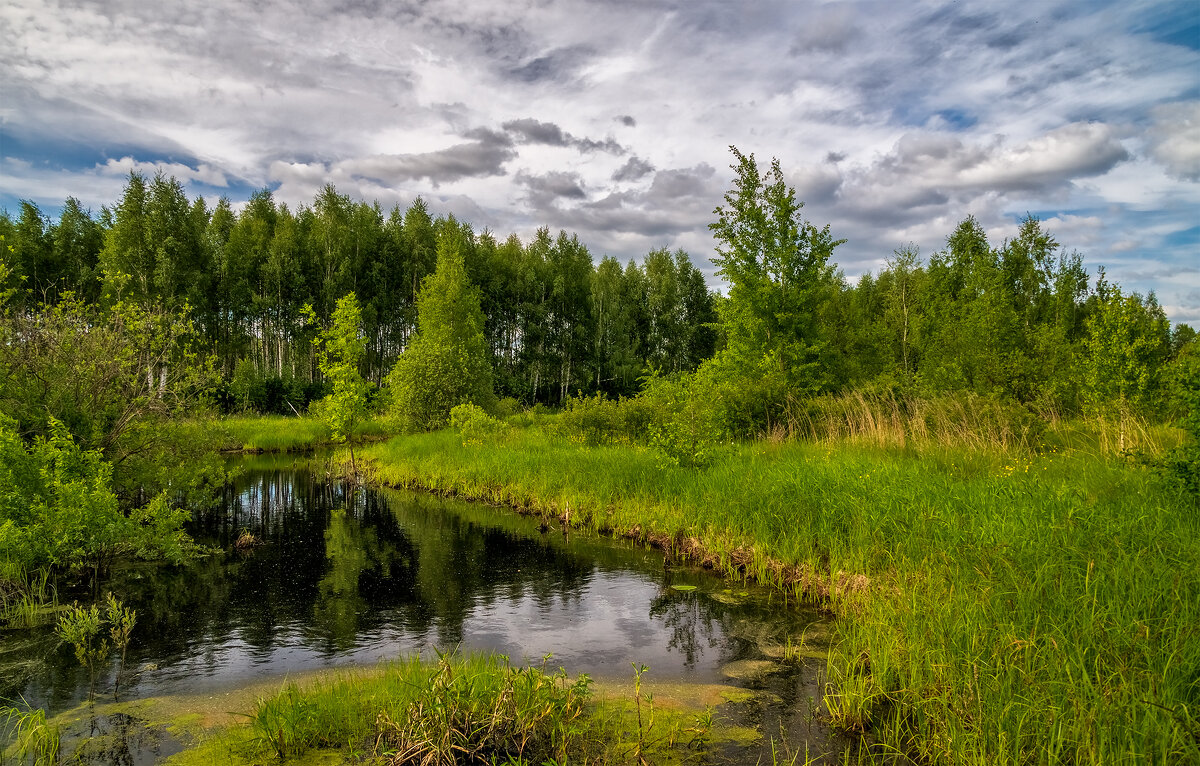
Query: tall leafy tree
(777,267)
(446,362)
(570,313)
(340,351)
(36,260)
(1127,346)
(127,259)
(78,239)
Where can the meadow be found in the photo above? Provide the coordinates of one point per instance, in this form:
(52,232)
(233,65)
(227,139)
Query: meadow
(998,603)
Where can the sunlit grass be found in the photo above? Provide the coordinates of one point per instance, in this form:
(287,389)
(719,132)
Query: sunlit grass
(474,708)
(999,605)
(277,433)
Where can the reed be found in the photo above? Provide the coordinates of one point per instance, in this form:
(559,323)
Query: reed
(468,709)
(28,598)
(27,738)
(1000,603)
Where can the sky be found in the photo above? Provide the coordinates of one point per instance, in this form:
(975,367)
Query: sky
(613,119)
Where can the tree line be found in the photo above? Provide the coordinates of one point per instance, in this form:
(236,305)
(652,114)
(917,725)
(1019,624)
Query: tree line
(1021,320)
(555,321)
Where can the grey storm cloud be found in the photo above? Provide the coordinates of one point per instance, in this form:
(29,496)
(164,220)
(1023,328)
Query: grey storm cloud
(544,190)
(672,204)
(634,169)
(987,108)
(531,131)
(482,157)
(929,170)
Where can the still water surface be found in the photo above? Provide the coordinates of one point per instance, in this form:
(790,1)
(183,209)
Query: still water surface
(345,578)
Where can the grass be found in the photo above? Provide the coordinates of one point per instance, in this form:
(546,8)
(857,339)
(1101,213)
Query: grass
(27,738)
(277,433)
(28,598)
(457,710)
(475,708)
(999,604)
(485,710)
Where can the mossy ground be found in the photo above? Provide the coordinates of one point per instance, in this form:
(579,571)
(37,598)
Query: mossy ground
(680,721)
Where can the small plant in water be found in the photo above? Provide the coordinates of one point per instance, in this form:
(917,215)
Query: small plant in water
(246,541)
(644,726)
(794,652)
(25,596)
(80,627)
(121,620)
(83,628)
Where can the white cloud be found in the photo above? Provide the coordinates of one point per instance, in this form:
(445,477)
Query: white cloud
(203,173)
(1175,139)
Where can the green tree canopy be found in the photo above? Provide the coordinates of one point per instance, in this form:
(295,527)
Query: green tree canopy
(777,266)
(446,362)
(340,350)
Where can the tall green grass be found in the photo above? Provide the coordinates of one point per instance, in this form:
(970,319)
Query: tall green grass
(26,737)
(478,709)
(27,596)
(999,605)
(458,710)
(277,433)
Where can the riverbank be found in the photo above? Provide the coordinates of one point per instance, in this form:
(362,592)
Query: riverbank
(277,433)
(1001,605)
(474,708)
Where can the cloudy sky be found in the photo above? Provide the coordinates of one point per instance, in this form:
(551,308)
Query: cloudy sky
(894,120)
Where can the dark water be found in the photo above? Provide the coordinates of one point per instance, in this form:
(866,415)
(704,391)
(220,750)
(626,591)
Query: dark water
(345,578)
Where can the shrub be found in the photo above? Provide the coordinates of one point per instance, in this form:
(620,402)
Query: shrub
(474,424)
(1183,463)
(507,407)
(57,507)
(591,420)
(686,425)
(594,420)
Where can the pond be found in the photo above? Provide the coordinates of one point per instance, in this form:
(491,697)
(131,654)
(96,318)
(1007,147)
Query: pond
(339,577)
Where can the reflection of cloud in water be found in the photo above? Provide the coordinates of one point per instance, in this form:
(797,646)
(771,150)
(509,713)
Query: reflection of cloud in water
(600,630)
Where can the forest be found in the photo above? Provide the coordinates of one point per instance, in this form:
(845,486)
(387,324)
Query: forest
(1023,320)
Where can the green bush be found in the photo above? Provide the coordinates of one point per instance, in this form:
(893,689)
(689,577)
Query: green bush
(507,407)
(1183,463)
(57,507)
(591,420)
(474,424)
(594,420)
(686,426)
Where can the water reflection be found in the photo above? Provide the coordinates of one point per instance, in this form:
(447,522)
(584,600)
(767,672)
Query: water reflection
(345,578)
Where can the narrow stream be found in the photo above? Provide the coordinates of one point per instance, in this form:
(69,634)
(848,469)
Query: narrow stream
(340,578)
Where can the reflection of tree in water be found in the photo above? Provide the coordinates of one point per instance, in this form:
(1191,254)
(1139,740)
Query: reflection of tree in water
(689,621)
(329,572)
(464,565)
(739,627)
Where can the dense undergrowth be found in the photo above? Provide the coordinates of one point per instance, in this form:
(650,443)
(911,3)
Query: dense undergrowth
(1002,603)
